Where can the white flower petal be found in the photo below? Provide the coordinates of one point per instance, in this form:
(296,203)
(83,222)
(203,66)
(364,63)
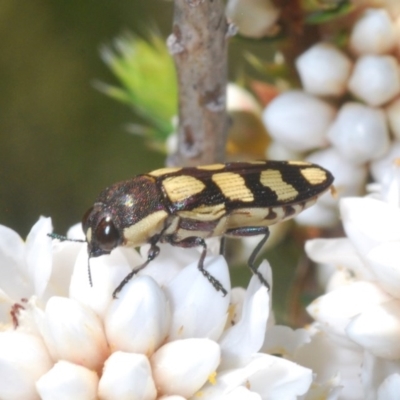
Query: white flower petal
(360,133)
(76,232)
(173,397)
(198,310)
(169,263)
(38,254)
(338,279)
(241,393)
(284,340)
(327,359)
(107,273)
(339,252)
(381,167)
(375,79)
(377,329)
(127,376)
(329,390)
(374,372)
(393,114)
(271,377)
(324,70)
(23,359)
(298,120)
(64,257)
(68,381)
(276,378)
(335,309)
(246,337)
(238,295)
(373,33)
(368,222)
(29,316)
(383,260)
(13,270)
(390,187)
(138,320)
(390,388)
(183,366)
(73,332)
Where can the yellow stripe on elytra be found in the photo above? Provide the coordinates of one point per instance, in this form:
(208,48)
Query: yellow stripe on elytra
(211,167)
(272,179)
(256,162)
(164,171)
(181,187)
(204,213)
(314,176)
(298,163)
(233,186)
(140,232)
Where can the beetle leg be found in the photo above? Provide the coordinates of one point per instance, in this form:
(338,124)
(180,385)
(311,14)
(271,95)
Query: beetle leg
(253,231)
(222,245)
(153,252)
(194,242)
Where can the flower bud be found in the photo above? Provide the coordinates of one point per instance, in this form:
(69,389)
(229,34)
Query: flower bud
(373,33)
(324,70)
(298,120)
(375,79)
(359,133)
(254,18)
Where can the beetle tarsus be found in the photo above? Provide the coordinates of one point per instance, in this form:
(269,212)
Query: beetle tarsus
(215,282)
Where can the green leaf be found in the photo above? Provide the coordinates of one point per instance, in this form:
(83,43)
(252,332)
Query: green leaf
(146,72)
(329,12)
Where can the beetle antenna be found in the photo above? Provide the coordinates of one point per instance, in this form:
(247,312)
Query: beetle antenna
(89,272)
(64,238)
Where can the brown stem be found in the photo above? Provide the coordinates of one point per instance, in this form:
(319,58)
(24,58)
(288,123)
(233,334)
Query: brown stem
(198,44)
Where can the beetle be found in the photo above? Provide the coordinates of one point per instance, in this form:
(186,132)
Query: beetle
(185,206)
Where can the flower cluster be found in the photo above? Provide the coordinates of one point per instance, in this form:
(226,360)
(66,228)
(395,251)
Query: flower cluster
(169,335)
(357,326)
(346,117)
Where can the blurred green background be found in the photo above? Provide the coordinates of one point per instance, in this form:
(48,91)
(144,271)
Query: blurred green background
(62,141)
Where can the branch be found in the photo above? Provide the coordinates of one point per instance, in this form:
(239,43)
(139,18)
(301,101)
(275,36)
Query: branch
(198,44)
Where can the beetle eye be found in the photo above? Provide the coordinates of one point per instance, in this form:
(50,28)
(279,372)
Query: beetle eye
(106,234)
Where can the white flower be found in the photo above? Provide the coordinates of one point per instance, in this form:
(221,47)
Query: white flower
(324,70)
(375,79)
(381,168)
(169,335)
(72,380)
(298,120)
(393,115)
(363,315)
(359,133)
(373,33)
